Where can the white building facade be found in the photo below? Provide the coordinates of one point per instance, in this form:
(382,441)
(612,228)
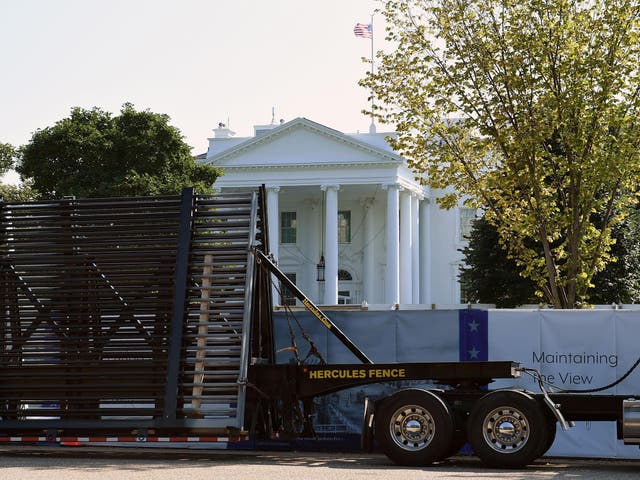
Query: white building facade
(349,207)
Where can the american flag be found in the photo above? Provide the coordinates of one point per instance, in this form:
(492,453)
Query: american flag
(364,30)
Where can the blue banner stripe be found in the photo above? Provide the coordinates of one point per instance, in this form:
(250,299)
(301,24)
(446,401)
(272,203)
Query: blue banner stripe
(474,335)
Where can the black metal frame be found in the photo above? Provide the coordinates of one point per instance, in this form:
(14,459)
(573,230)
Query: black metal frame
(266,262)
(181,278)
(308,381)
(100,301)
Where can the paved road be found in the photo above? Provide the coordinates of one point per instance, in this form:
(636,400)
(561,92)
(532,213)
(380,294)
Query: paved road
(105,464)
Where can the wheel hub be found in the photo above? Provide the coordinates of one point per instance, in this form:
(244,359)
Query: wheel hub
(506,429)
(412,427)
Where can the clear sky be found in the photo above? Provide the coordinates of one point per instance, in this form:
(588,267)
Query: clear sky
(199,61)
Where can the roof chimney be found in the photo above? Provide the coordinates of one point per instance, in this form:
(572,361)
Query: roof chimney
(223,131)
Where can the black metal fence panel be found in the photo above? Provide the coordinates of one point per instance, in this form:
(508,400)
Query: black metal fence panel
(89,293)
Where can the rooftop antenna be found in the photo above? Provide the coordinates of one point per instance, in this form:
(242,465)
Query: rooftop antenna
(273,115)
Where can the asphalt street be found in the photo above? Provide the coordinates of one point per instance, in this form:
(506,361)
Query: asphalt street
(24,463)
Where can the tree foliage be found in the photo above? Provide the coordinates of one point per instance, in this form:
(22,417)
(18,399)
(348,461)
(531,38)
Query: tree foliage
(481,92)
(490,276)
(93,153)
(18,193)
(12,193)
(7,154)
(619,282)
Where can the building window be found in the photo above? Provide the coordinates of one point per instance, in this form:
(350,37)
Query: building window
(288,227)
(343,275)
(344,289)
(467,217)
(344,226)
(344,297)
(287,296)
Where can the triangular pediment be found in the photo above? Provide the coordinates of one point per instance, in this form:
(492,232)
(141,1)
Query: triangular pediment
(302,142)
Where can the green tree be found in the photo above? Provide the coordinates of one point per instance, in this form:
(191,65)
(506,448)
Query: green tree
(18,193)
(11,193)
(7,154)
(490,276)
(480,92)
(619,282)
(93,153)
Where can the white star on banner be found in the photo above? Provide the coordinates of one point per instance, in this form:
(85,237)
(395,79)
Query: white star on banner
(473,353)
(473,326)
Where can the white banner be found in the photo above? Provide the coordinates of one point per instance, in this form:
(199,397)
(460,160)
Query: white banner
(575,350)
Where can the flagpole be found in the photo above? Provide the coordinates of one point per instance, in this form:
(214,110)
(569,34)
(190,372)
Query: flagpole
(372,127)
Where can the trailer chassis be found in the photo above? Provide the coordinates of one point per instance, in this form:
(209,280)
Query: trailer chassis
(507,428)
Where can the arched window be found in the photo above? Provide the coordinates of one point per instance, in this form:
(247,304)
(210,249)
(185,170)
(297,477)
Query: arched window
(345,276)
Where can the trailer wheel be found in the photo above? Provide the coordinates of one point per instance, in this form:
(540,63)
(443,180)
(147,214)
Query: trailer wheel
(551,435)
(507,429)
(414,427)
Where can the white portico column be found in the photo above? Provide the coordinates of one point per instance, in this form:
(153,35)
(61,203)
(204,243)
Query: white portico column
(368,259)
(392,283)
(273,216)
(406,238)
(331,245)
(425,254)
(415,247)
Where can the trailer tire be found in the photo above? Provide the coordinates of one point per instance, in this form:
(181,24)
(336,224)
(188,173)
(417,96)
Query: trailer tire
(508,429)
(414,427)
(366,440)
(551,435)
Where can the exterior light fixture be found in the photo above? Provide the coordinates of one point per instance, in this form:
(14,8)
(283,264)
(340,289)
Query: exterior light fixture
(320,269)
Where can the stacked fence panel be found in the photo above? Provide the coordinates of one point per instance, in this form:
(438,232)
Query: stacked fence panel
(88,291)
(218,267)
(87,297)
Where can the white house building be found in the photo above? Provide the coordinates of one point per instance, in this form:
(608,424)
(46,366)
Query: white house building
(349,204)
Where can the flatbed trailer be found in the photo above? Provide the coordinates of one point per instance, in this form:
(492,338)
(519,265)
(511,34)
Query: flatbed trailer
(151,318)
